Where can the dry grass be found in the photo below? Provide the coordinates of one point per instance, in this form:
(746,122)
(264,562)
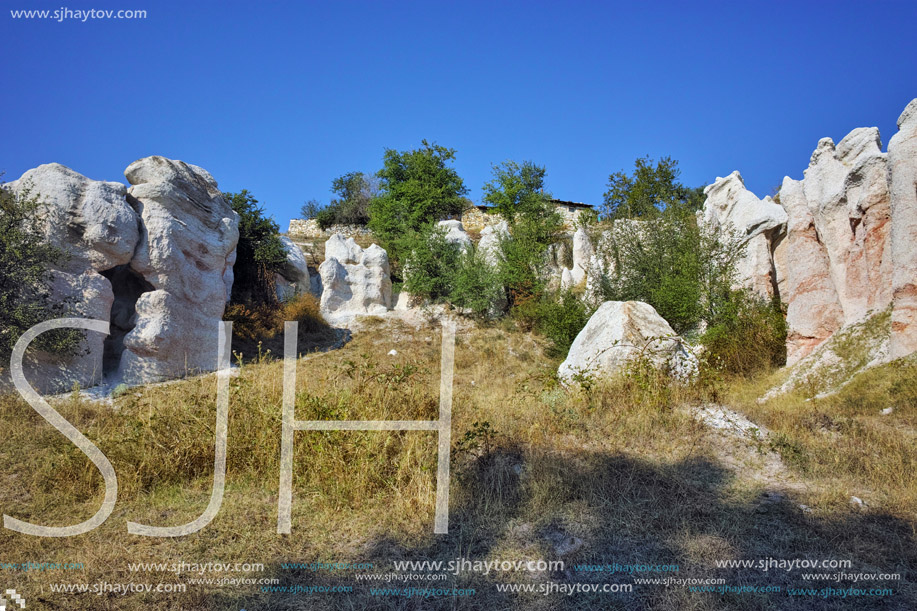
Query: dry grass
(618,466)
(844,441)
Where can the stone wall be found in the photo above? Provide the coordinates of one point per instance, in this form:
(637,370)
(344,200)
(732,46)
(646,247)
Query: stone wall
(309,229)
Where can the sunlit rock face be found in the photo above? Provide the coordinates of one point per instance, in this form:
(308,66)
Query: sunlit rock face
(185,256)
(355,282)
(732,209)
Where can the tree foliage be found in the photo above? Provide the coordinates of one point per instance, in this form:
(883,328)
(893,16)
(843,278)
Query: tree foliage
(649,190)
(25,275)
(517,192)
(259,255)
(354,191)
(671,263)
(417,188)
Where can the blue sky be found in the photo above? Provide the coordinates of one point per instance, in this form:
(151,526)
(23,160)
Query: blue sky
(282,97)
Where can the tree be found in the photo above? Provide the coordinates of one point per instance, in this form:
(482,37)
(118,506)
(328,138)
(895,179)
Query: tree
(517,189)
(311,208)
(683,270)
(517,192)
(354,191)
(417,188)
(260,253)
(25,275)
(651,189)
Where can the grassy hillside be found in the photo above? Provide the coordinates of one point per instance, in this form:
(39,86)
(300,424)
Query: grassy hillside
(625,472)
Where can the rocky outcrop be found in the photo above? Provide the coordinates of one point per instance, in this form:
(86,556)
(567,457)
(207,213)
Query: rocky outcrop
(583,255)
(92,222)
(455,233)
(838,256)
(295,278)
(621,331)
(730,208)
(902,164)
(155,261)
(185,255)
(355,281)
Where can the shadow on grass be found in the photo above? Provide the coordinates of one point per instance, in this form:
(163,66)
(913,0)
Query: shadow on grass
(513,505)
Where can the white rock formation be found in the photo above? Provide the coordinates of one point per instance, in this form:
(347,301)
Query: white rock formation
(185,253)
(620,331)
(583,260)
(489,244)
(902,162)
(92,221)
(294,278)
(733,209)
(455,233)
(355,281)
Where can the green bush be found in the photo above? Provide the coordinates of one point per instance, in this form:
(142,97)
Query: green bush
(748,335)
(557,316)
(444,272)
(672,264)
(259,255)
(431,263)
(476,286)
(354,192)
(25,260)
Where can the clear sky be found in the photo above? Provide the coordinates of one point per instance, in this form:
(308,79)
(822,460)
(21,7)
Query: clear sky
(282,97)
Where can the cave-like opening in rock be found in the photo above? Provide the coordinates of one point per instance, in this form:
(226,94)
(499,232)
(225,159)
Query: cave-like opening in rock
(127,285)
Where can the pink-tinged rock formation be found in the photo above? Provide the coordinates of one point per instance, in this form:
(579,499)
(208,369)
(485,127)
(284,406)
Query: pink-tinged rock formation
(813,311)
(902,161)
(839,261)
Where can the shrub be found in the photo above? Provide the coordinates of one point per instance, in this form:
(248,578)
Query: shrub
(25,295)
(476,286)
(354,192)
(263,322)
(748,335)
(669,262)
(558,316)
(260,253)
(431,264)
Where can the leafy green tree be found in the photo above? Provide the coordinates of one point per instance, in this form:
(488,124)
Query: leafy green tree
(517,192)
(417,188)
(25,275)
(669,262)
(259,255)
(517,189)
(354,191)
(651,189)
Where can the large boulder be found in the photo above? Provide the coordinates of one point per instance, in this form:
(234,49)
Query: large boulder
(185,257)
(902,163)
(759,224)
(355,282)
(92,222)
(621,331)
